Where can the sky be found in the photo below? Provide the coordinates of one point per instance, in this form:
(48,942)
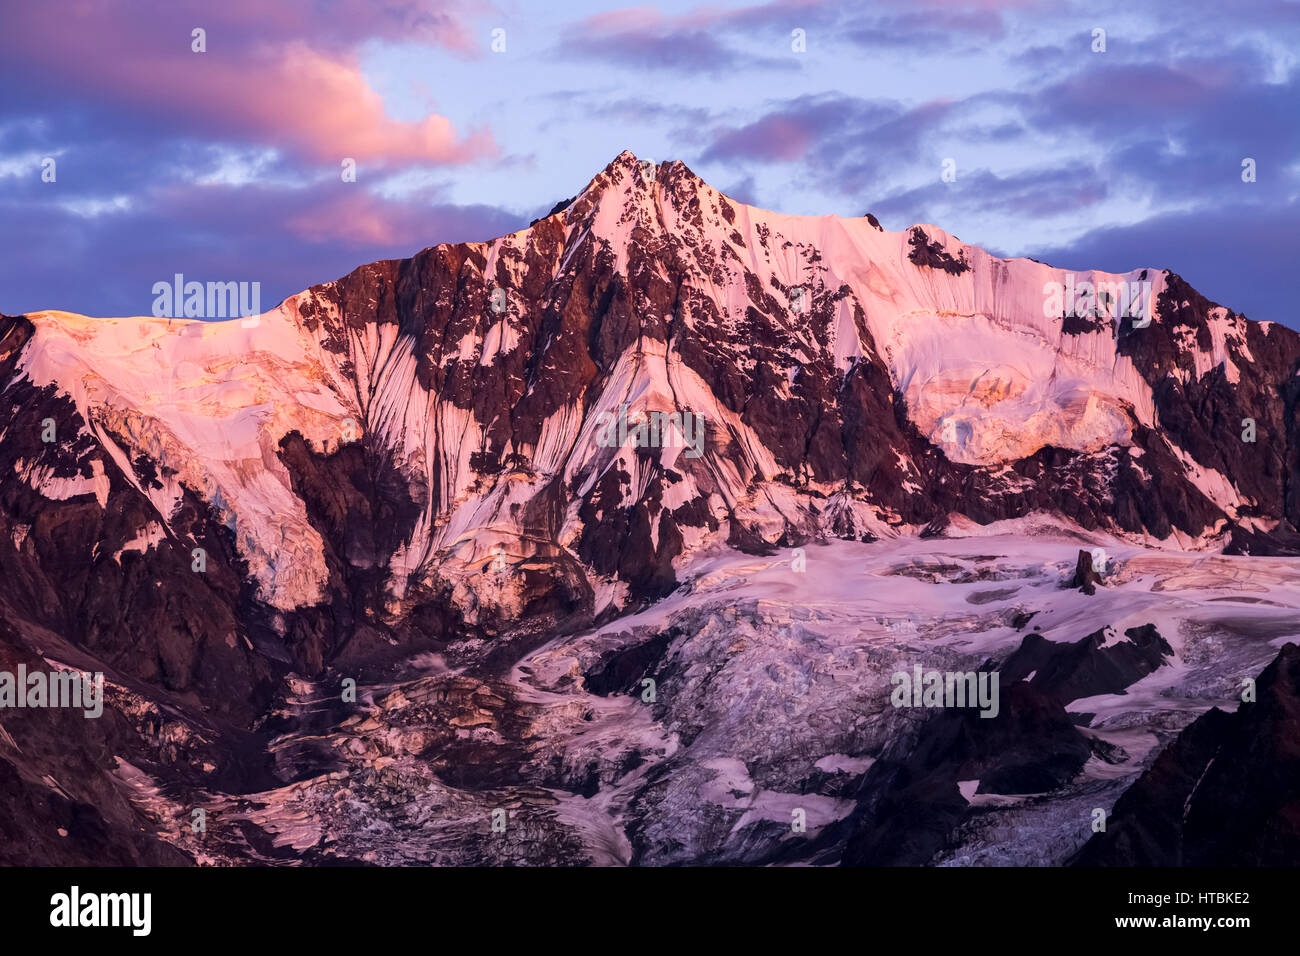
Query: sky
(126,155)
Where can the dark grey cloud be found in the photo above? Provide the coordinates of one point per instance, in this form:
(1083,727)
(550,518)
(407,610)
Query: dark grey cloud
(1241,258)
(285,238)
(1032,194)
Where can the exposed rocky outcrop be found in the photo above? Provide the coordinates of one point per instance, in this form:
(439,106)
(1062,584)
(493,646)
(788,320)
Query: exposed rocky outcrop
(910,805)
(1095,665)
(1226,792)
(1086,578)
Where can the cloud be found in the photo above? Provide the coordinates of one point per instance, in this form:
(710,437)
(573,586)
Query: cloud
(285,238)
(1032,195)
(645,38)
(744,191)
(843,143)
(224,163)
(783,136)
(285,75)
(932,29)
(231,157)
(1243,258)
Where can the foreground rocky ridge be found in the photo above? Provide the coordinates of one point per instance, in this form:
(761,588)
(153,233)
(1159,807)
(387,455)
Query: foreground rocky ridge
(769,696)
(405,465)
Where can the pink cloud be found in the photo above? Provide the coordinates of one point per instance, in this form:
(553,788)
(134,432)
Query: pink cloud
(319,103)
(284,75)
(355,216)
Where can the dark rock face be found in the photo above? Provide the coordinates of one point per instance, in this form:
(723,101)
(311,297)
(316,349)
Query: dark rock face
(1087,668)
(624,671)
(910,806)
(1226,792)
(1072,324)
(558,207)
(63,573)
(1210,417)
(909,802)
(363,509)
(1085,577)
(932,255)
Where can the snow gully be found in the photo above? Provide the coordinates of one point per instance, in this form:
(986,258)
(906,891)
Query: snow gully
(656,430)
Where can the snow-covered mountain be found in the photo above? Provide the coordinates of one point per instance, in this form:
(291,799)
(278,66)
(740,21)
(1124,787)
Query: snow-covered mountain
(414,477)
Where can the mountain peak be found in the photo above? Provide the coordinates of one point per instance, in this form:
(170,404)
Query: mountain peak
(495,449)
(629,172)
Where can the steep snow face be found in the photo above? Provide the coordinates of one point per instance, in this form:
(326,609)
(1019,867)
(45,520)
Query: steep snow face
(845,380)
(976,345)
(208,403)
